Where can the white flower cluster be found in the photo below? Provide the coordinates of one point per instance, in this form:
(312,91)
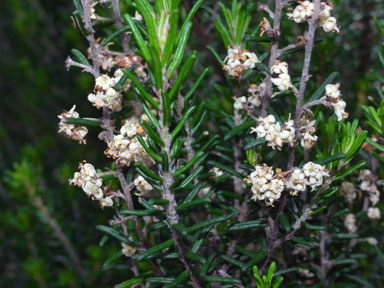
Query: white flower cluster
(305,9)
(91,184)
(254,97)
(265,184)
(350,223)
(326,21)
(125,147)
(142,186)
(253,100)
(307,130)
(349,191)
(238,61)
(374,213)
(302,12)
(283,81)
(333,94)
(105,95)
(368,184)
(311,175)
(240,103)
(73,131)
(274,133)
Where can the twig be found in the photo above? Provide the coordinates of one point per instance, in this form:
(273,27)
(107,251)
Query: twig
(119,24)
(69,63)
(273,56)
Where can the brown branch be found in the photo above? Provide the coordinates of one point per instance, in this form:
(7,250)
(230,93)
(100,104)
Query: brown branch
(273,56)
(119,24)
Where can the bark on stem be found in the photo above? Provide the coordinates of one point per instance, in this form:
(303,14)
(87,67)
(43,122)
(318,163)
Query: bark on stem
(119,24)
(273,56)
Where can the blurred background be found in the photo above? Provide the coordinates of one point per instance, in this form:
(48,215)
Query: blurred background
(47,235)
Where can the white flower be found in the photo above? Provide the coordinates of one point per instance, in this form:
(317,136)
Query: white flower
(254,95)
(138,16)
(240,102)
(274,133)
(283,82)
(339,108)
(239,61)
(325,12)
(280,67)
(374,213)
(217,172)
(349,191)
(332,91)
(296,182)
(106,202)
(302,12)
(265,185)
(350,223)
(72,131)
(314,174)
(330,25)
(127,250)
(142,186)
(308,140)
(104,82)
(125,148)
(88,180)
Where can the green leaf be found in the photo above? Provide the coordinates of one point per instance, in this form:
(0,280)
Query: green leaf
(190,15)
(79,121)
(151,117)
(254,144)
(161,280)
(143,93)
(80,57)
(148,172)
(176,147)
(115,234)
(151,153)
(152,250)
(139,39)
(108,262)
(227,169)
(320,91)
(189,164)
(129,283)
(179,280)
(155,136)
(127,212)
(247,225)
(114,35)
(375,144)
(351,170)
(220,279)
(235,131)
(181,123)
(331,158)
(190,178)
(196,84)
(184,36)
(210,222)
(182,76)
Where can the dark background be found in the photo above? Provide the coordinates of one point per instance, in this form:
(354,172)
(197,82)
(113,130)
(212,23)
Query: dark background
(36,37)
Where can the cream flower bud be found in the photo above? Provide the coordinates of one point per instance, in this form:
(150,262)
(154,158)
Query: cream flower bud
(308,140)
(240,102)
(374,213)
(339,108)
(283,82)
(330,25)
(127,250)
(104,82)
(72,131)
(296,182)
(280,68)
(349,191)
(333,91)
(106,202)
(142,186)
(350,223)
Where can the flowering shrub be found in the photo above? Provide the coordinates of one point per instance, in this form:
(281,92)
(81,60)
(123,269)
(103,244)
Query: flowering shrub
(263,182)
